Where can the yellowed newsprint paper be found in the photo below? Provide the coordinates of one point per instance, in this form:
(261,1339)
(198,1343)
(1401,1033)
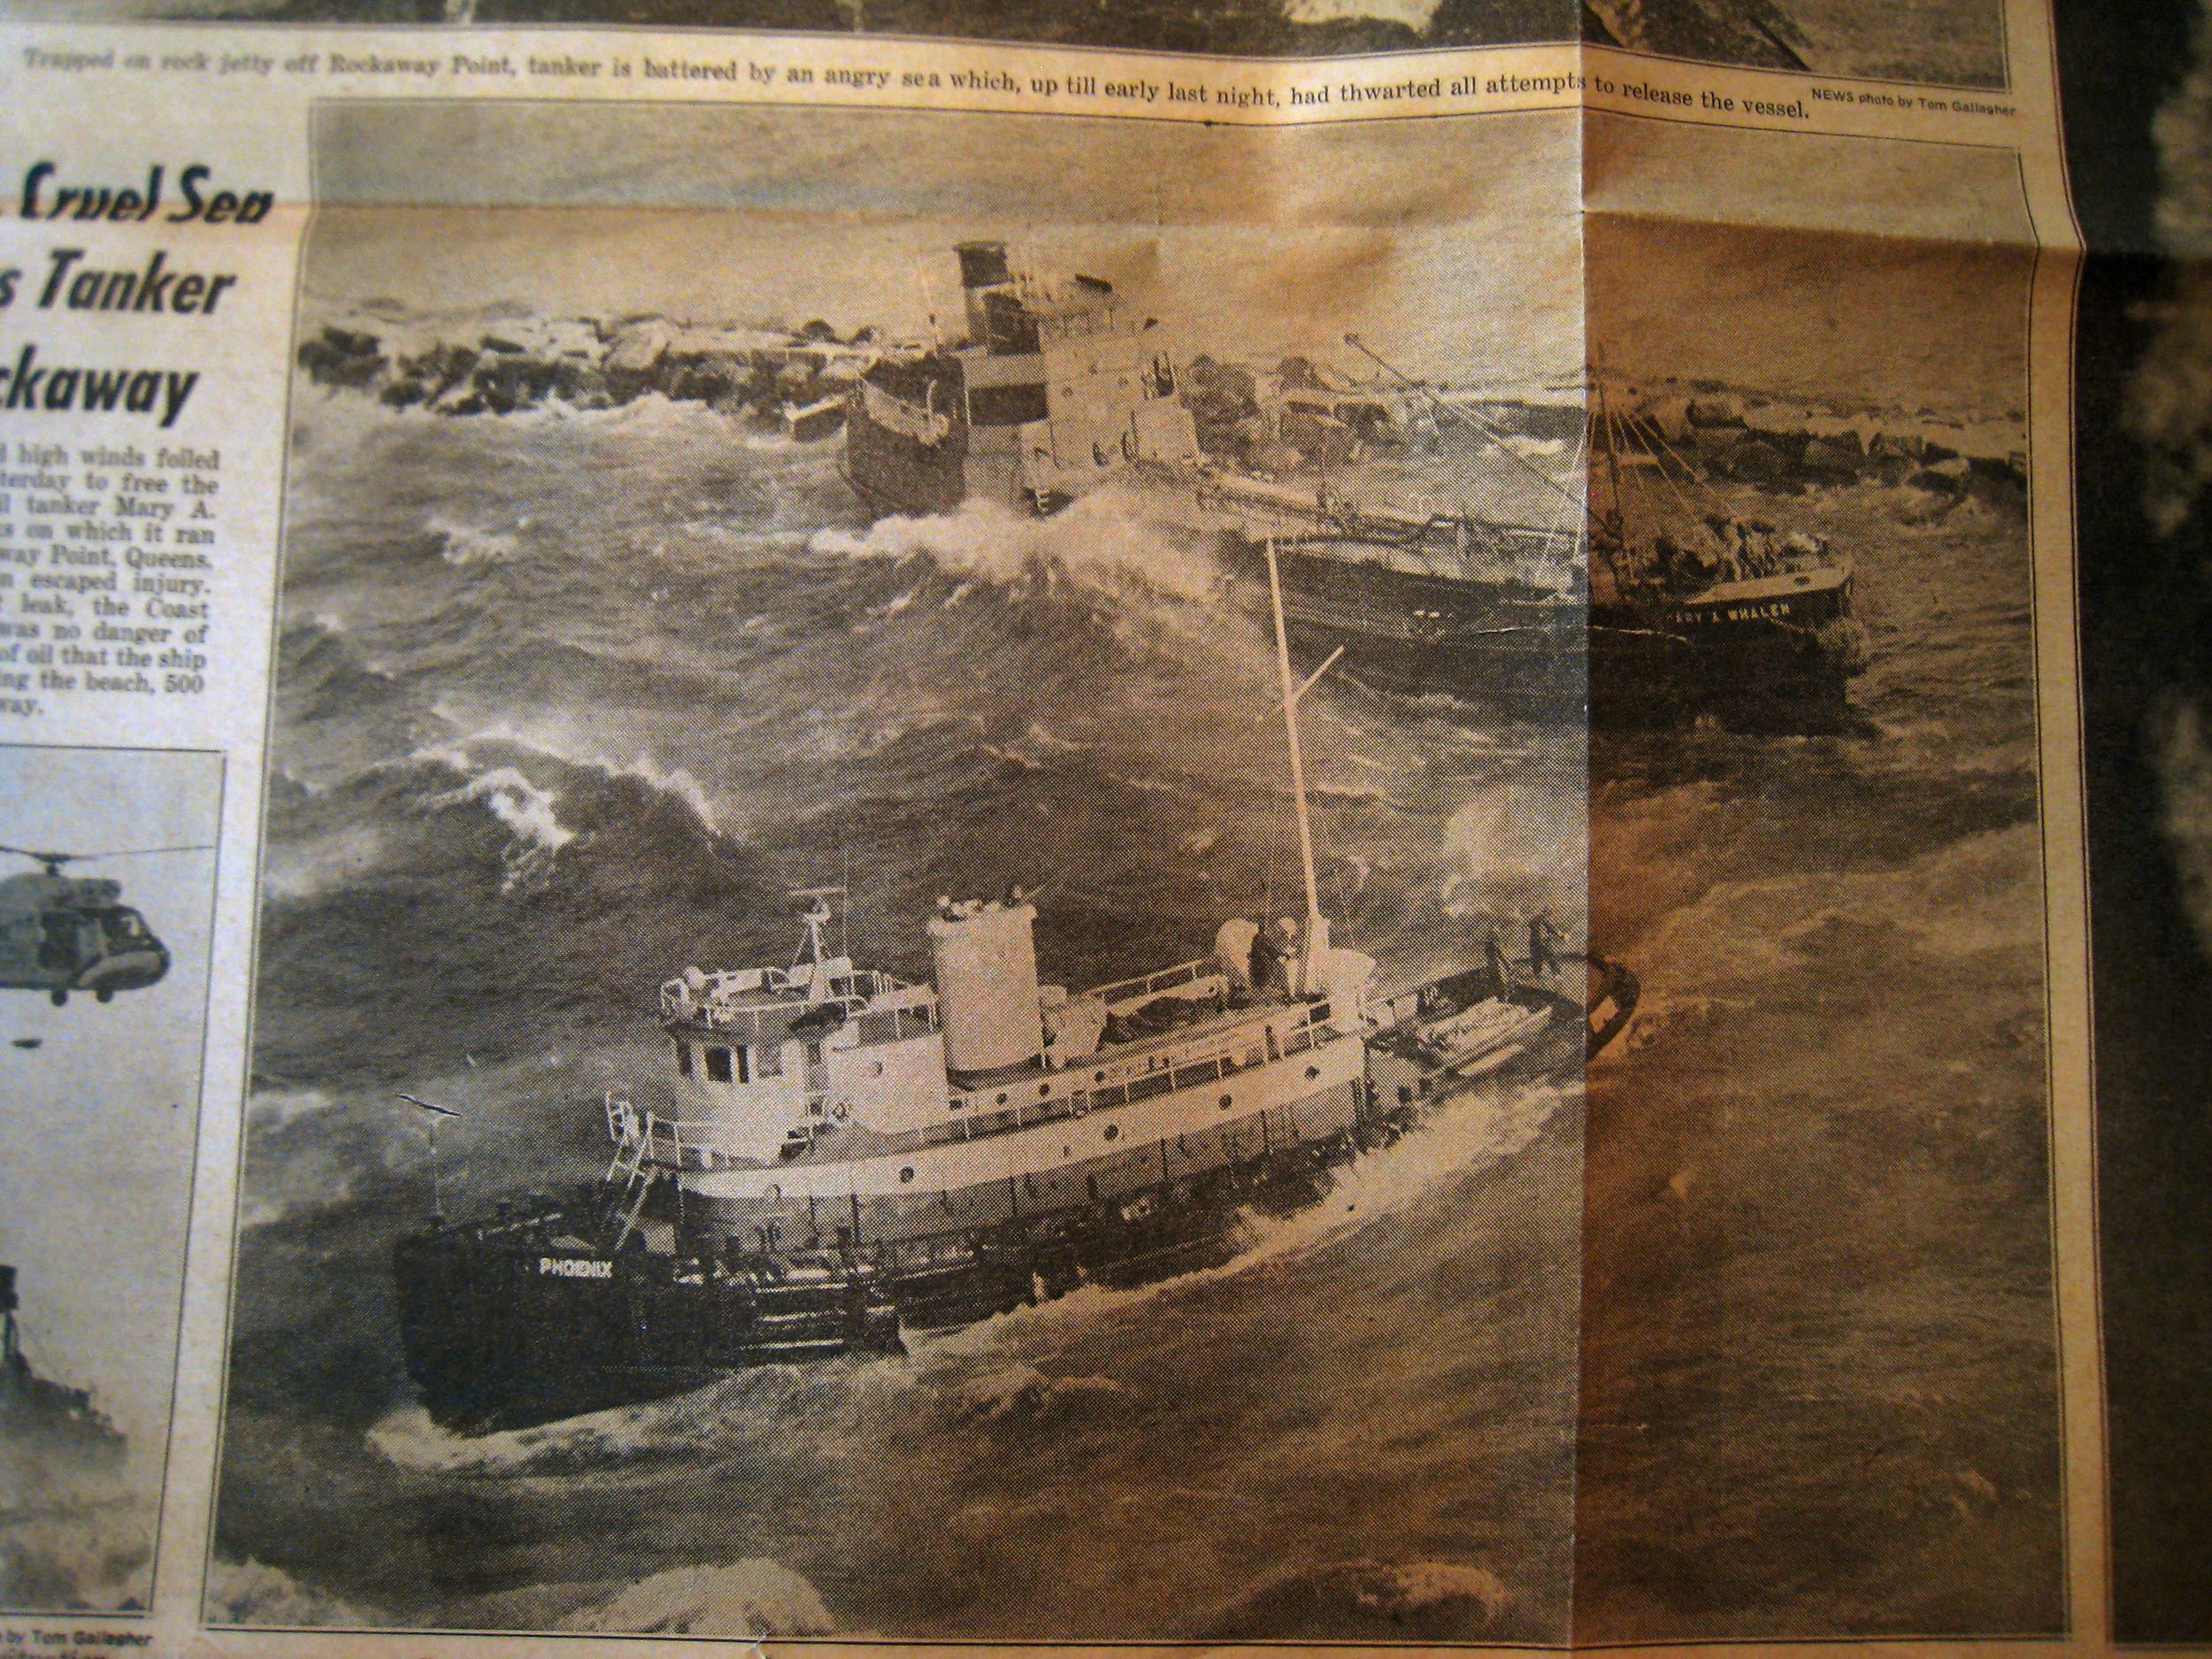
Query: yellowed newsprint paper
(1230,825)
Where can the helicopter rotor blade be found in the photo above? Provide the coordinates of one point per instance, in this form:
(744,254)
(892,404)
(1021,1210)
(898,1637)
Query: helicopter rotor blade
(147,852)
(54,861)
(50,860)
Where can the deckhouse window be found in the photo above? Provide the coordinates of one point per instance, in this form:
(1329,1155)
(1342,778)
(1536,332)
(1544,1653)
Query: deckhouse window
(683,1058)
(721,1068)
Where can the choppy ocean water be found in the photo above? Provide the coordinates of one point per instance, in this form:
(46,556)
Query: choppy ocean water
(566,703)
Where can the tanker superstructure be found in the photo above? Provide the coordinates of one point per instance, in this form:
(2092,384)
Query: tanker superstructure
(1056,388)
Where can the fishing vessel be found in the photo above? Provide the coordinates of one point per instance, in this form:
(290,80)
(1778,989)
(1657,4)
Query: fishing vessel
(856,1157)
(1055,390)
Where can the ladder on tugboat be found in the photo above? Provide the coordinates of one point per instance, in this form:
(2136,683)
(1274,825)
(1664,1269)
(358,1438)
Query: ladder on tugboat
(633,1143)
(637,1206)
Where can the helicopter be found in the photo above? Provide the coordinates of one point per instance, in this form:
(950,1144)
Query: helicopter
(62,933)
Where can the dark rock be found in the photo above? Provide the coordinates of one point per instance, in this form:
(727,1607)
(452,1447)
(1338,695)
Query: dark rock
(1756,461)
(1946,477)
(1836,457)
(343,356)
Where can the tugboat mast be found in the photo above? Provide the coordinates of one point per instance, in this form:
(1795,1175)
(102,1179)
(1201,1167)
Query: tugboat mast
(815,917)
(437,1194)
(1316,931)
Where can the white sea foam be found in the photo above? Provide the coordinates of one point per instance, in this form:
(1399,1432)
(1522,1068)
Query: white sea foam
(464,544)
(1103,541)
(1023,1391)
(755,1599)
(252,1593)
(274,1109)
(568,742)
(300,870)
(530,811)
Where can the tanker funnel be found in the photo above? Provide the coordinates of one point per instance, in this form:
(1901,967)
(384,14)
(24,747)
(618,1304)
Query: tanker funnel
(986,961)
(983,272)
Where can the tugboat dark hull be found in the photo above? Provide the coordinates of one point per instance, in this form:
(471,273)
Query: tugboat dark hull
(1184,1103)
(502,1327)
(519,1321)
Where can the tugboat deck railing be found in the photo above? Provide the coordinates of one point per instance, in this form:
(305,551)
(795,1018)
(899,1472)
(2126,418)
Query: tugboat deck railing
(746,996)
(1122,994)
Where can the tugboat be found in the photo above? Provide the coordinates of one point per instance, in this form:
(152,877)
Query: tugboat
(859,1156)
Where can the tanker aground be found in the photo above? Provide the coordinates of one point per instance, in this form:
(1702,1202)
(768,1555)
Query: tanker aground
(856,1155)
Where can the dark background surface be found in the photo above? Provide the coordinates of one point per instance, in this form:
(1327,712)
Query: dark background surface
(2144,619)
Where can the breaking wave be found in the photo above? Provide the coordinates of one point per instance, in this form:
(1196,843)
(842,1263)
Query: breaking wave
(1953,901)
(748,1599)
(249,1592)
(1368,1600)
(1477,1127)
(1104,540)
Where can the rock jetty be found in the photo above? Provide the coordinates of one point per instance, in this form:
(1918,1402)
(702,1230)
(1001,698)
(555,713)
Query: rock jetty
(508,364)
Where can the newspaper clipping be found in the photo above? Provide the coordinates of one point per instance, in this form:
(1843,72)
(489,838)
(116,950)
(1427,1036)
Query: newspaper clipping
(1251,822)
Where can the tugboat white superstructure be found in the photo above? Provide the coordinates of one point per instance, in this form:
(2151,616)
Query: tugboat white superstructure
(843,1103)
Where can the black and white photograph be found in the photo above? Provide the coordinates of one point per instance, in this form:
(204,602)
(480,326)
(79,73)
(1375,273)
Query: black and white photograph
(965,810)
(886,1004)
(104,915)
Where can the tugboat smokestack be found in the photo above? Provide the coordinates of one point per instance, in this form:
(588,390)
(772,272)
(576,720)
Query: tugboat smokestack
(986,961)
